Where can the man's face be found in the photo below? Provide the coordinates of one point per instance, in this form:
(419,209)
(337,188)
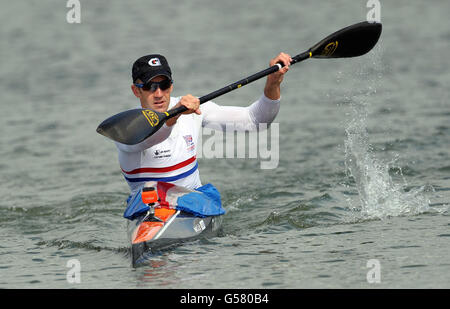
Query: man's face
(157,100)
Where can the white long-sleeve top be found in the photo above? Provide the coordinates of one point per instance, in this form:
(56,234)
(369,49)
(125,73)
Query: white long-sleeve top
(170,155)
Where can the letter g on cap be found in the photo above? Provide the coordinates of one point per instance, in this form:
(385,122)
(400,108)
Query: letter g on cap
(154,62)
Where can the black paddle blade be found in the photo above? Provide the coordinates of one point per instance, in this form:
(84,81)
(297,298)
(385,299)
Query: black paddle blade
(351,41)
(133,126)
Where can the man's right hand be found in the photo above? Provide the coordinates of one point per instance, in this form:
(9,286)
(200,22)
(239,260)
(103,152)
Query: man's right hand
(191,103)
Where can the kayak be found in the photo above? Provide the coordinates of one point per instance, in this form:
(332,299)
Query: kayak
(163,215)
(150,235)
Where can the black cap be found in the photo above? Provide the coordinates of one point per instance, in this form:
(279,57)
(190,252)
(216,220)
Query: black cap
(147,67)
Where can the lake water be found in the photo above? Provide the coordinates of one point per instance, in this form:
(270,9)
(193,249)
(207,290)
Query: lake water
(363,179)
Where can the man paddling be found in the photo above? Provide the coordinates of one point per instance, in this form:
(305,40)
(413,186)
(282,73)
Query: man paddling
(169,155)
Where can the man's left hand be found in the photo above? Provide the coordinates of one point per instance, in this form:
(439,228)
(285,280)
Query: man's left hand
(272,88)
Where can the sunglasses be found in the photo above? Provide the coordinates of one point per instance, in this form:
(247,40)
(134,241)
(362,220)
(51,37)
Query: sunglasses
(153,86)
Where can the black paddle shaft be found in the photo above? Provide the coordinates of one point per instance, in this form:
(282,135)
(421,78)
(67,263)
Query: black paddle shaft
(240,83)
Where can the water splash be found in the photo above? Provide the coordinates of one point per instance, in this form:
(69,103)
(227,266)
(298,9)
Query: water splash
(379,196)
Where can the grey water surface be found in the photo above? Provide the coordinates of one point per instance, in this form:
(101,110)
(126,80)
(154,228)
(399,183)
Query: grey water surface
(364,145)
